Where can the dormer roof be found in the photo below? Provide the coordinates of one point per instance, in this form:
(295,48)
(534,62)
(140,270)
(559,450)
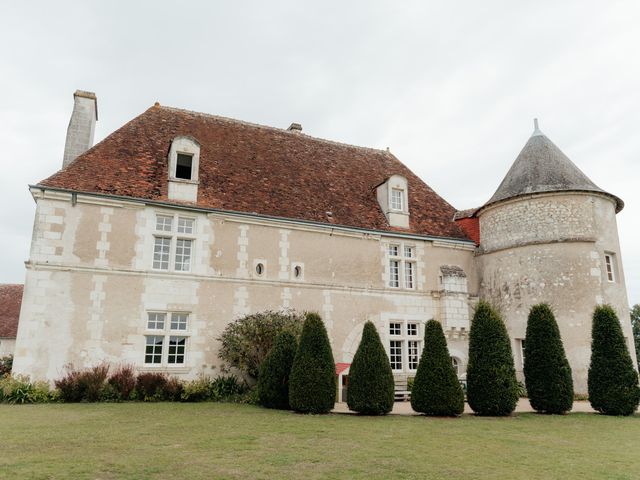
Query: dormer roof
(255,169)
(542,167)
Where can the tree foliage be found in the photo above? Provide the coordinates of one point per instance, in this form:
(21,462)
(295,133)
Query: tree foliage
(436,390)
(492,388)
(312,383)
(613,380)
(273,381)
(546,369)
(246,341)
(371,384)
(635,325)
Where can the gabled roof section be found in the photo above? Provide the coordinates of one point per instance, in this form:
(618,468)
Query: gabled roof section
(10,302)
(255,169)
(542,167)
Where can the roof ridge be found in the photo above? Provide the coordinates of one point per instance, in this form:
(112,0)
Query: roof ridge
(269,127)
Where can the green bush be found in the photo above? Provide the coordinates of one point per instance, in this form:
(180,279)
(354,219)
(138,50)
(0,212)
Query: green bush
(122,382)
(371,384)
(245,343)
(273,381)
(226,388)
(546,369)
(5,365)
(198,390)
(436,389)
(312,383)
(20,390)
(492,388)
(613,380)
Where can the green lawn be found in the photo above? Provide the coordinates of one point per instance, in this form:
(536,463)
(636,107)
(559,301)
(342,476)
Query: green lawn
(212,440)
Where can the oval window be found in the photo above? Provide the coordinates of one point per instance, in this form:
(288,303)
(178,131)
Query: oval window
(297,271)
(259,269)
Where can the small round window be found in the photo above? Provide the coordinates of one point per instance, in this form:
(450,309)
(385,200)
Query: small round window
(259,269)
(297,271)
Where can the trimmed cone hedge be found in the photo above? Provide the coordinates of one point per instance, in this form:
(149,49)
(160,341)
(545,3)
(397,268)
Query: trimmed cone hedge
(273,380)
(312,383)
(613,381)
(492,388)
(371,384)
(436,389)
(546,369)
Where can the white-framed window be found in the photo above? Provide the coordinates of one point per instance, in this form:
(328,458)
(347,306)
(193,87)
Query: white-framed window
(610,265)
(397,199)
(405,345)
(184,165)
(174,238)
(166,341)
(402,266)
(520,349)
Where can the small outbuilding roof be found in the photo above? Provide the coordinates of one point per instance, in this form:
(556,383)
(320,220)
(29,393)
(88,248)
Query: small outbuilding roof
(542,167)
(10,302)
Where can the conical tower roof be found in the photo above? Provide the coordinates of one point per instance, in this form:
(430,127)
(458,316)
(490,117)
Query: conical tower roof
(542,167)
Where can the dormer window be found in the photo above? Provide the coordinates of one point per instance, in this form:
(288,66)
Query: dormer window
(393,200)
(184,165)
(396,199)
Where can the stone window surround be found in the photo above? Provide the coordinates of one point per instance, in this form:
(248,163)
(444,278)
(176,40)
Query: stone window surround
(186,146)
(404,338)
(167,333)
(174,235)
(407,265)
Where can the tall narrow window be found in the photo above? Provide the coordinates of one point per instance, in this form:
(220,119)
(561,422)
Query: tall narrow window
(184,163)
(412,354)
(161,250)
(153,349)
(397,196)
(402,267)
(395,354)
(609,260)
(176,350)
(183,255)
(394,273)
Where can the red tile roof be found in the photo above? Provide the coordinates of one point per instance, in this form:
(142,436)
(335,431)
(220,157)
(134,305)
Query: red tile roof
(341,367)
(10,301)
(255,169)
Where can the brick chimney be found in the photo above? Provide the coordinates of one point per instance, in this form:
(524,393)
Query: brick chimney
(81,126)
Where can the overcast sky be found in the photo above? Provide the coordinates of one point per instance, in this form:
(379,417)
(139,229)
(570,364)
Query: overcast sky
(450,87)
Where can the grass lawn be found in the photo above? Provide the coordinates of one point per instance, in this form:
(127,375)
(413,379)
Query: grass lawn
(212,440)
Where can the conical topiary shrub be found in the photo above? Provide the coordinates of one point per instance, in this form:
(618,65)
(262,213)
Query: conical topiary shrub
(547,372)
(492,388)
(613,381)
(312,383)
(273,380)
(436,390)
(371,385)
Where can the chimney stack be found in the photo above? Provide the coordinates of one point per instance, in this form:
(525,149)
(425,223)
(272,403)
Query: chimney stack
(295,127)
(81,126)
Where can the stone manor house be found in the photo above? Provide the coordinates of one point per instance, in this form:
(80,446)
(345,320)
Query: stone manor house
(147,244)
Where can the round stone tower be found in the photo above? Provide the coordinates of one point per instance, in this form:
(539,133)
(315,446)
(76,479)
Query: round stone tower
(549,234)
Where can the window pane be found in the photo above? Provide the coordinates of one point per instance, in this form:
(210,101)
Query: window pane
(408,275)
(393,250)
(176,349)
(608,260)
(183,255)
(395,354)
(161,249)
(183,166)
(408,252)
(395,329)
(412,329)
(396,199)
(179,321)
(155,320)
(163,223)
(153,349)
(412,354)
(185,225)
(394,273)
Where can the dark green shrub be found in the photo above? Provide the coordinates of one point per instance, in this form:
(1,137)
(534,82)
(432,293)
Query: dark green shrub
(123,382)
(83,385)
(150,386)
(436,389)
(20,390)
(273,381)
(613,380)
(5,365)
(492,388)
(226,388)
(245,342)
(635,329)
(546,369)
(371,384)
(312,383)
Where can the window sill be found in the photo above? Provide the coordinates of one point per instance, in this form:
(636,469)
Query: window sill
(184,180)
(165,368)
